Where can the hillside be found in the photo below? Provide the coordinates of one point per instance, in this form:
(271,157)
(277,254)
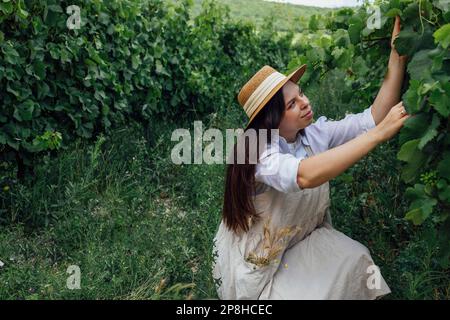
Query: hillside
(287,16)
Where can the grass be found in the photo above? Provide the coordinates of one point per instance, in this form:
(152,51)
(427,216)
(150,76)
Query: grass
(121,214)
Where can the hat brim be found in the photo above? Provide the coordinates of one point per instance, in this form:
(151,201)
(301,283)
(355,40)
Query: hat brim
(294,76)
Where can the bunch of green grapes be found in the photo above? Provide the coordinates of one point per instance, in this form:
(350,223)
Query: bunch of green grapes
(429,178)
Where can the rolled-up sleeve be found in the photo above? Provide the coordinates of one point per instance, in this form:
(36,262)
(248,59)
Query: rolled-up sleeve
(350,127)
(279,170)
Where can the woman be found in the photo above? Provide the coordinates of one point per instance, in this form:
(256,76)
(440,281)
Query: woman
(276,240)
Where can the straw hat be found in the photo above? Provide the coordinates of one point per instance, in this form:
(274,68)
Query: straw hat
(255,94)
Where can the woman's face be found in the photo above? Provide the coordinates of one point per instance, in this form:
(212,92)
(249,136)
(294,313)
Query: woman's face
(298,113)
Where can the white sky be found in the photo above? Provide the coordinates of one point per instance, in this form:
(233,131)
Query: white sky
(323,3)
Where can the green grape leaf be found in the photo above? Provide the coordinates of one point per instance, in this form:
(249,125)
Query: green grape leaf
(421,205)
(354,31)
(417,216)
(404,43)
(431,132)
(10,54)
(440,99)
(393,12)
(24,111)
(410,153)
(412,97)
(414,127)
(412,169)
(442,35)
(43,89)
(419,68)
(7,8)
(410,41)
(408,150)
(39,69)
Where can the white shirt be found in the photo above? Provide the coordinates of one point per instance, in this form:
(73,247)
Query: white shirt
(278,164)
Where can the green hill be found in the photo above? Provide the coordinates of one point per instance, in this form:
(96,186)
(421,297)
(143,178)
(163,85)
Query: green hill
(287,16)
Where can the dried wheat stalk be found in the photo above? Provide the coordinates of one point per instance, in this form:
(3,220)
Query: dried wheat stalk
(273,243)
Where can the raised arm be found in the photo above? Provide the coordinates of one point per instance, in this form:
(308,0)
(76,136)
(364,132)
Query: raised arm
(322,167)
(389,93)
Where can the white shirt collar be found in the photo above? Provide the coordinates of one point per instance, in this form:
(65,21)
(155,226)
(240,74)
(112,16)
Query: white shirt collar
(300,136)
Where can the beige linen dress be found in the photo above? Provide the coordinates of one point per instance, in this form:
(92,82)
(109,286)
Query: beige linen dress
(294,252)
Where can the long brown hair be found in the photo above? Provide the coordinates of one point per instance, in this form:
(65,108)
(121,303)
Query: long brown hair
(238,206)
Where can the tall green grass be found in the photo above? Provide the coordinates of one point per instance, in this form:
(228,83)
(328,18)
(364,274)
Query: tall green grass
(123,213)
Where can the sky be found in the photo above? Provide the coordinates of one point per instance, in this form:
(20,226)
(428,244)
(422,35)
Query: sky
(323,3)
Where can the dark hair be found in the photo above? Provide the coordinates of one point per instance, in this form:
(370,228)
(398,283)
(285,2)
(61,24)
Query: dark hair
(238,206)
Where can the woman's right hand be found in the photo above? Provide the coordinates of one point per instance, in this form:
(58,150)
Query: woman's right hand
(392,123)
